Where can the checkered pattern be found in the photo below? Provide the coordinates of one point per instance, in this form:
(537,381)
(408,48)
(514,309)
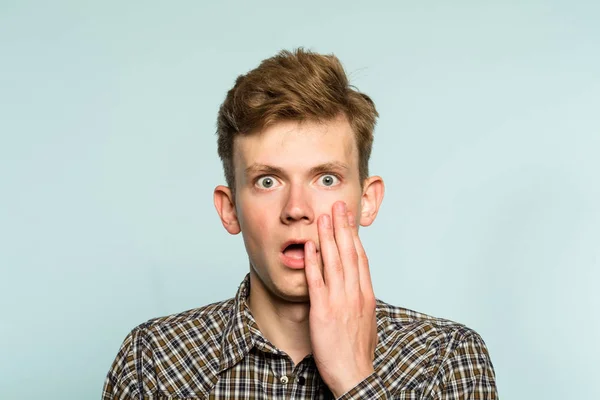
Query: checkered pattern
(217,352)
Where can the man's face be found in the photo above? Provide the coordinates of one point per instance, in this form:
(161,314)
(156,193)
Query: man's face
(286,177)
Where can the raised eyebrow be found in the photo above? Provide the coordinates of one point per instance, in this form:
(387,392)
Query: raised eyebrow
(318,169)
(263,169)
(329,167)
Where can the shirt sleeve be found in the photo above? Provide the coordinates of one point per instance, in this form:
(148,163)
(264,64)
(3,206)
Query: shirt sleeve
(371,387)
(467,373)
(131,375)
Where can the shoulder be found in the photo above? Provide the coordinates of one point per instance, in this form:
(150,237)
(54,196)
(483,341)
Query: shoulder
(420,352)
(198,328)
(394,319)
(210,318)
(170,343)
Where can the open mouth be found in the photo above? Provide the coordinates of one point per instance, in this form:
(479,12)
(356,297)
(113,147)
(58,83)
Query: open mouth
(292,253)
(294,250)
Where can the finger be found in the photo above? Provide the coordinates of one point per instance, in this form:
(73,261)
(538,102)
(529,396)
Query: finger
(332,266)
(346,249)
(364,272)
(314,277)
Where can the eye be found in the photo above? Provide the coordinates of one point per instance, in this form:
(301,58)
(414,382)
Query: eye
(329,180)
(266,182)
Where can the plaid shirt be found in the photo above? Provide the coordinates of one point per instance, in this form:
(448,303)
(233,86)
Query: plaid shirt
(217,352)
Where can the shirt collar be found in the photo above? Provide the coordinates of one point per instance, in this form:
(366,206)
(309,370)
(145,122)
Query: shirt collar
(241,331)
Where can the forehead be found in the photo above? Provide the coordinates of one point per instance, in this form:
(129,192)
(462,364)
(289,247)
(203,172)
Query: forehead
(298,145)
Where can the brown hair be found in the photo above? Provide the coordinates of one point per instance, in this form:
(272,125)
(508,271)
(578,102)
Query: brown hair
(299,85)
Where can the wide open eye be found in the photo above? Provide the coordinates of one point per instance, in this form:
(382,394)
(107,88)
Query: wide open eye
(266,182)
(328,180)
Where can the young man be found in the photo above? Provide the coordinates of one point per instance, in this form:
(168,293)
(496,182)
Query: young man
(295,141)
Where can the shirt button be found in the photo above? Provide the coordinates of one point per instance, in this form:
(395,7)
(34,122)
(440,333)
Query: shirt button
(301,380)
(284,379)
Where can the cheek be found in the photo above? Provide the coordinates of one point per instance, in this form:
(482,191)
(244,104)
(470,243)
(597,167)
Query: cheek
(325,201)
(254,222)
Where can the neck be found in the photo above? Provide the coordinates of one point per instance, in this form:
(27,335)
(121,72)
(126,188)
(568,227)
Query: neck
(283,323)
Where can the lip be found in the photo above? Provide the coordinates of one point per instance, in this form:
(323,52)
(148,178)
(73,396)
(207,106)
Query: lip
(297,241)
(293,263)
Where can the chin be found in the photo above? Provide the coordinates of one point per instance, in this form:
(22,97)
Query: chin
(295,297)
(284,284)
(294,290)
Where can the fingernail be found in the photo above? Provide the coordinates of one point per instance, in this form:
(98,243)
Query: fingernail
(309,247)
(326,221)
(341,206)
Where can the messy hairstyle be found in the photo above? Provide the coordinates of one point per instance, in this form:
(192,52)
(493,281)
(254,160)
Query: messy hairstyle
(297,86)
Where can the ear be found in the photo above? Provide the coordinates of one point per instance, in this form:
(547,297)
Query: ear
(225,206)
(372,196)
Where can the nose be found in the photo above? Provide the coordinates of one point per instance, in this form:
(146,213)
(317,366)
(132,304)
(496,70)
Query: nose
(298,206)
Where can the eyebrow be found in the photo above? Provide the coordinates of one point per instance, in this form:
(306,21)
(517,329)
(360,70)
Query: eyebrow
(318,169)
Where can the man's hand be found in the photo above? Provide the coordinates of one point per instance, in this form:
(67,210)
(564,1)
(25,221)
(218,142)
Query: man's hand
(343,327)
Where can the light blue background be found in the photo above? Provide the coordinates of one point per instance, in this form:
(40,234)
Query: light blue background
(489,142)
